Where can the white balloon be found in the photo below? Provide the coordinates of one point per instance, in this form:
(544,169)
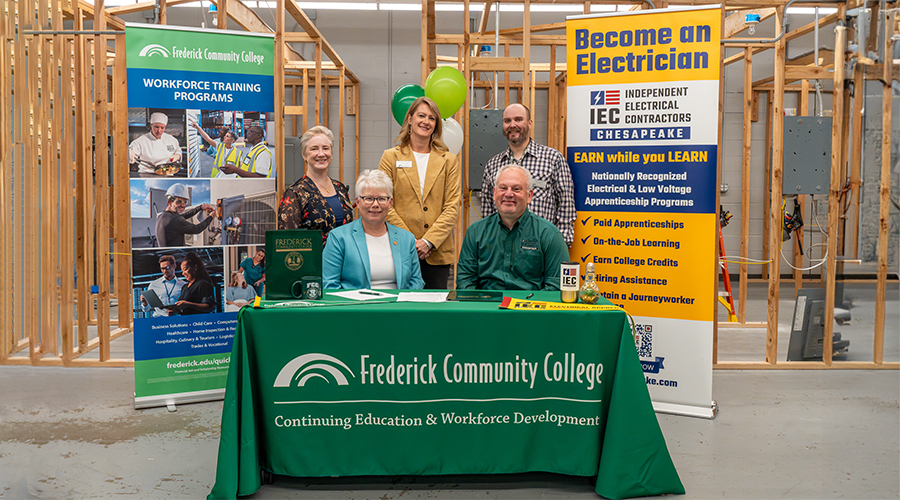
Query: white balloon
(453,135)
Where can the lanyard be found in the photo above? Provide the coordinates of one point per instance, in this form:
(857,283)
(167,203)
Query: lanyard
(169,292)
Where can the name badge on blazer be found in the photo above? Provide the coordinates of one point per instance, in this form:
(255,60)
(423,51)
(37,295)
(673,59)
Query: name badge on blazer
(540,184)
(404,163)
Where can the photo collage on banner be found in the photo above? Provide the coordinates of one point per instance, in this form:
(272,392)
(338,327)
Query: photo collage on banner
(200,121)
(642,142)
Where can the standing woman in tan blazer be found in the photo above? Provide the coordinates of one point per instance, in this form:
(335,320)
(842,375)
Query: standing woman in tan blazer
(427,190)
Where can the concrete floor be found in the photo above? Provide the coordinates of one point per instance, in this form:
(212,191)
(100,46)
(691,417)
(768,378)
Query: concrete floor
(73,433)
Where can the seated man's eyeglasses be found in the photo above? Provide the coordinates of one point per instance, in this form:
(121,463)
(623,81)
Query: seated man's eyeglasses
(371,199)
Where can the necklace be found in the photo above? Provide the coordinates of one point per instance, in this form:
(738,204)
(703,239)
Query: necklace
(324,189)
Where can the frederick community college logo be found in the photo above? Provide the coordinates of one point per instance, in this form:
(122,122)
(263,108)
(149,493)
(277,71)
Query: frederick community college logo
(303,368)
(293,261)
(154,49)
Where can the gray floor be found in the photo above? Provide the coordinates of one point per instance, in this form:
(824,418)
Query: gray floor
(72,433)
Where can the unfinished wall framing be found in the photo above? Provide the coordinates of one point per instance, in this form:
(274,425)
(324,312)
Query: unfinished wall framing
(796,77)
(787,77)
(65,208)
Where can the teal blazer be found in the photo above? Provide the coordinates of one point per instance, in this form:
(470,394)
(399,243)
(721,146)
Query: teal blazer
(345,260)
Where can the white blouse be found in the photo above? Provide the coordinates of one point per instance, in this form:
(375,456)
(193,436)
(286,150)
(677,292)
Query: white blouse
(381,262)
(422,167)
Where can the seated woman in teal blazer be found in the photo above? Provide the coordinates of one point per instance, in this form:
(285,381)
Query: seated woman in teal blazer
(369,252)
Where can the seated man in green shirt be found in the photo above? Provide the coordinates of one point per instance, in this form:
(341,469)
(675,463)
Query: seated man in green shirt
(513,249)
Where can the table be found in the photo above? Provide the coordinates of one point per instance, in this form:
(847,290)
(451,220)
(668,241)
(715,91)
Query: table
(439,388)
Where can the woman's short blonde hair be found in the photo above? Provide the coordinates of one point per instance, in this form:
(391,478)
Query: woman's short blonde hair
(374,179)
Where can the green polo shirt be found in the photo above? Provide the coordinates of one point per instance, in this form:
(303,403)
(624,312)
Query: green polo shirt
(526,257)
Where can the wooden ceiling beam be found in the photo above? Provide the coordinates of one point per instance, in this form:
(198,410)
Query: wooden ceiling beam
(141,6)
(112,22)
(534,29)
(735,23)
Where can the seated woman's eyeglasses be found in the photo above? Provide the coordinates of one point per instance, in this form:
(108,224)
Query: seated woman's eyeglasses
(372,199)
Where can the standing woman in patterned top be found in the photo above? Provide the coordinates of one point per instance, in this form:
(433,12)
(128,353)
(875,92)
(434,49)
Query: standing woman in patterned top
(315,201)
(427,190)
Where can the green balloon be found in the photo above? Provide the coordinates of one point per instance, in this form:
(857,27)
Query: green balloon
(446,86)
(403,99)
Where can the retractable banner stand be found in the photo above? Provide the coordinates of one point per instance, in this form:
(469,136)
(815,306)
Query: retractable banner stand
(642,144)
(195,98)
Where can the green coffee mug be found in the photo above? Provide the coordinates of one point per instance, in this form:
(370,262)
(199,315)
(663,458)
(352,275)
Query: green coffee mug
(307,288)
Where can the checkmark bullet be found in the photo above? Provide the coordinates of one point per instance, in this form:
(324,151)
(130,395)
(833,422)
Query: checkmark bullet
(585,257)
(584,240)
(584,222)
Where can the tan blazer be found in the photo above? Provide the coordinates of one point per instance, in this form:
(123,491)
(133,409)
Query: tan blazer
(433,215)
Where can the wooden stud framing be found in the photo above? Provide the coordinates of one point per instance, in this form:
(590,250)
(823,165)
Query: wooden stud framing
(67,227)
(341,125)
(884,192)
(464,64)
(318,85)
(31,195)
(745,186)
(43,188)
(305,121)
(7,153)
(279,98)
(834,192)
(101,162)
(551,102)
(83,179)
(121,186)
(774,234)
(222,17)
(326,105)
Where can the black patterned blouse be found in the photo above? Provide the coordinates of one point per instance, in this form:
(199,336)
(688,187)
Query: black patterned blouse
(303,207)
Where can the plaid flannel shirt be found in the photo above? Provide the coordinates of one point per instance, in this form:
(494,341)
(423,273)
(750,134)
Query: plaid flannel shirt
(554,192)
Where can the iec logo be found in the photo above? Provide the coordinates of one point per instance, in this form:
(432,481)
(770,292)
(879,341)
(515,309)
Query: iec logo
(312,365)
(570,271)
(154,49)
(605,98)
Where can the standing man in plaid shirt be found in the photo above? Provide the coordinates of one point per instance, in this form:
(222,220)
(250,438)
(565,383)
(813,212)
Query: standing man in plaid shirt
(554,193)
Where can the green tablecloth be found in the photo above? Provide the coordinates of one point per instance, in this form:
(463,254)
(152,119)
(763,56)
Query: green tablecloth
(439,388)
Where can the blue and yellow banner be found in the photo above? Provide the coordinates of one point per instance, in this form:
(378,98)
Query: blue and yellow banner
(643,147)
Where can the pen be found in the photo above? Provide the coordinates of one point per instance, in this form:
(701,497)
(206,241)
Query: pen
(530,295)
(369,292)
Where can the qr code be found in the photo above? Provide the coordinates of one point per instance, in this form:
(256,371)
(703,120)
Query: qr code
(644,341)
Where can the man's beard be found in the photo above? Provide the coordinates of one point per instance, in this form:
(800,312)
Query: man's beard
(523,137)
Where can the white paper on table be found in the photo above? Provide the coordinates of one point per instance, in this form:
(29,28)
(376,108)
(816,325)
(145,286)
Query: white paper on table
(422,297)
(359,295)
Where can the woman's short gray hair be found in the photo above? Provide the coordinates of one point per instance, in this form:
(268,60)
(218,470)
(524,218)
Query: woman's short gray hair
(374,179)
(529,178)
(309,134)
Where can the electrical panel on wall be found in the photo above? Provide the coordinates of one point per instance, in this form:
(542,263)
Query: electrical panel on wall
(807,155)
(485,141)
